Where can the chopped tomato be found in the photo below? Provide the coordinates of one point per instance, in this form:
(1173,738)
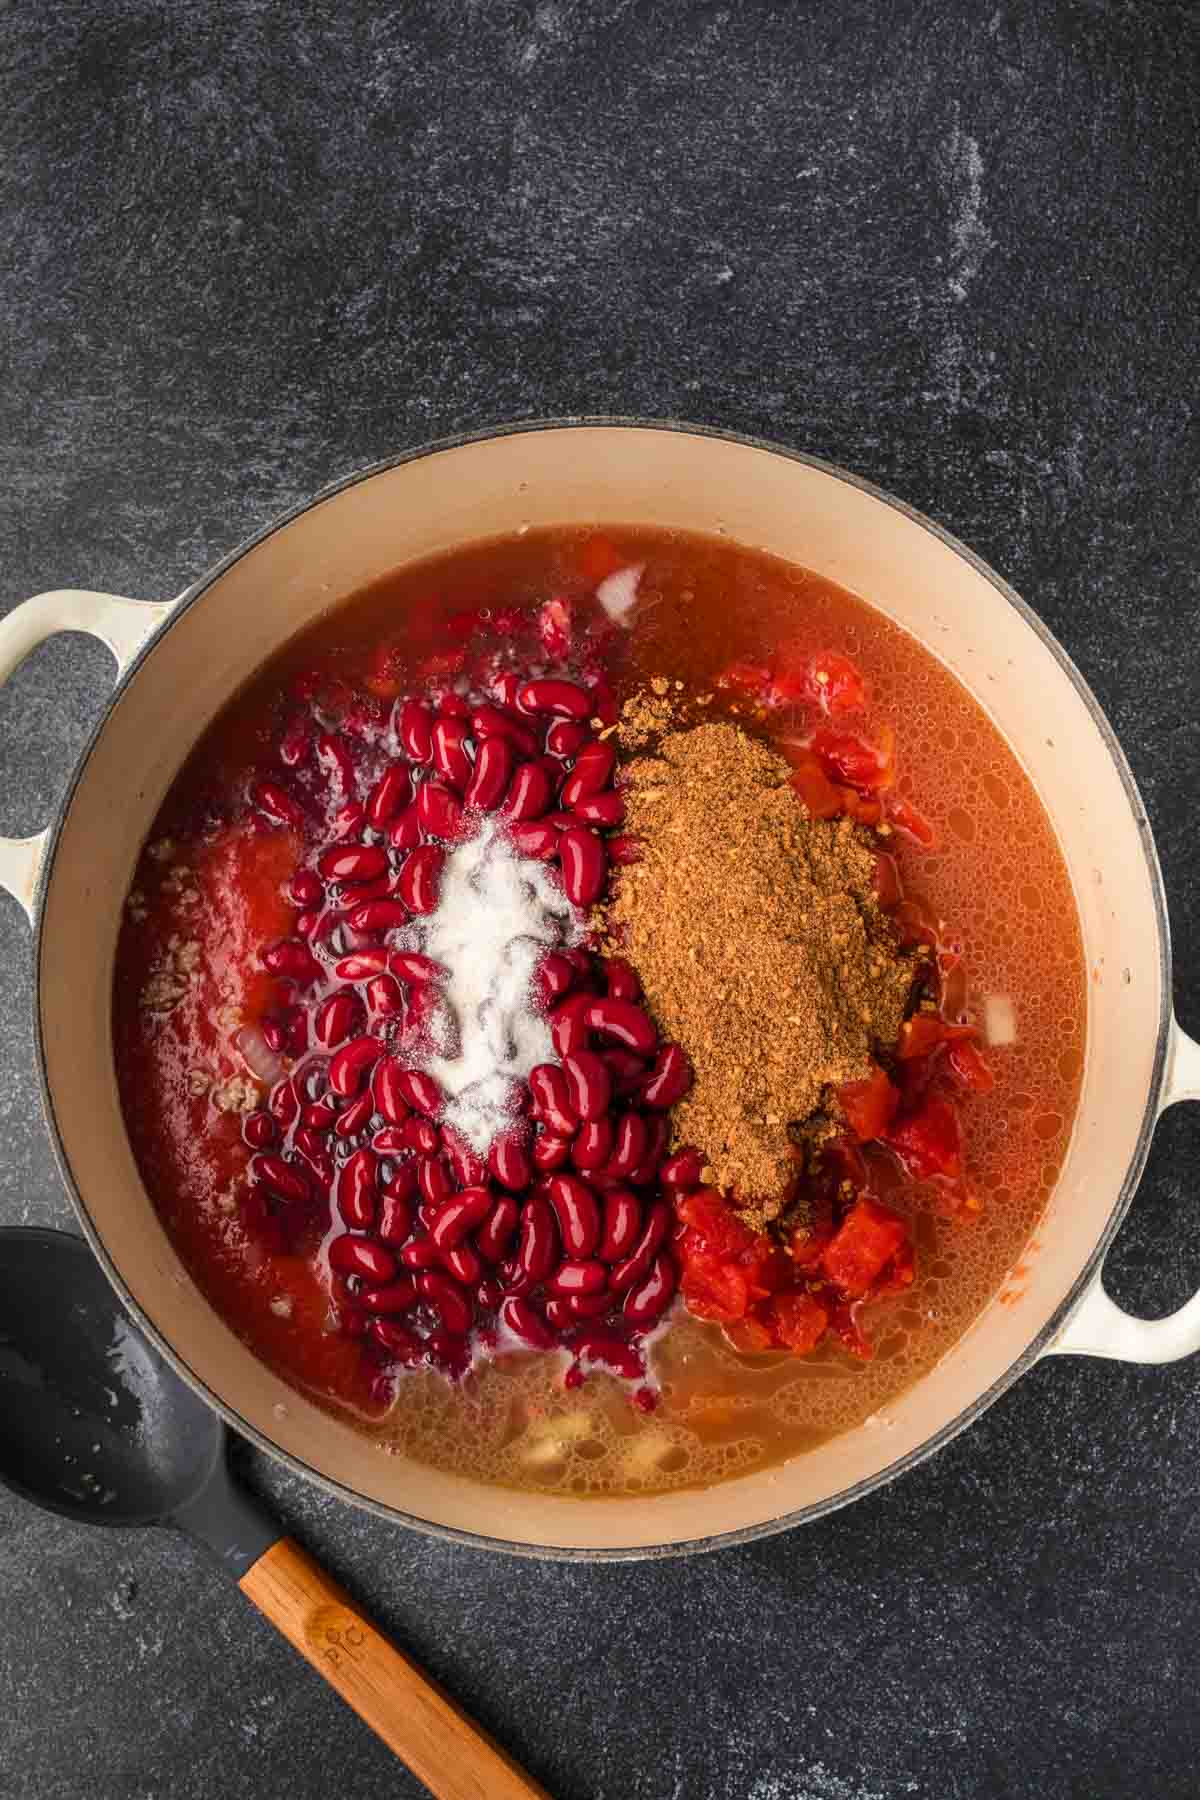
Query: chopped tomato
(869,1105)
(822,798)
(887,881)
(799,1320)
(866,1242)
(713,1289)
(554,627)
(835,684)
(749,1335)
(383,678)
(928,1141)
(968,1066)
(599,559)
(898,1275)
(925,1031)
(912,926)
(856,806)
(843,1322)
(906,818)
(850,760)
(715,1222)
(749,678)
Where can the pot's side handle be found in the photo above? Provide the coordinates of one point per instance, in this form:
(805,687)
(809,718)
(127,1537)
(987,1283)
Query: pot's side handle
(1098,1326)
(124,625)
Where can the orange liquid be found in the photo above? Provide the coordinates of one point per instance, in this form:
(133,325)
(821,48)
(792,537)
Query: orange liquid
(995,881)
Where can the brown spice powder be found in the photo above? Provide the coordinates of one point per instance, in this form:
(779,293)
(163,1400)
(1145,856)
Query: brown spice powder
(760,945)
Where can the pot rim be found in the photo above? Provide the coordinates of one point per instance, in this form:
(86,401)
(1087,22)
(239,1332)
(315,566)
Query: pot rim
(192,594)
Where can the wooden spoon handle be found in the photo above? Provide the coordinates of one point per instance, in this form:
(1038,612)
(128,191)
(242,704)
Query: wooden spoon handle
(454,1757)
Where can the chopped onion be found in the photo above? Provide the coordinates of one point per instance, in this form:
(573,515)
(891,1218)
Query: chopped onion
(999,1020)
(618,592)
(258,1055)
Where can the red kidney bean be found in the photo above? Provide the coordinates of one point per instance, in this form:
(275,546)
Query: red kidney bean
(568,1027)
(550,1152)
(522,1320)
(491,775)
(453,706)
(390,1140)
(420,1136)
(602,810)
(555,977)
(395,1216)
(589,1084)
(423,1254)
(593,770)
(670,1078)
(348,896)
(295,743)
(433,1180)
(581,961)
(419,1090)
(611,1352)
(551,1099)
(463,1263)
(307,888)
(508,1161)
(578,1278)
(490,721)
(439,810)
(624,850)
(283,1103)
(396,1297)
(353,862)
(356,1117)
(273,799)
(558,1310)
(630,1147)
(577,1212)
(335,763)
(415,730)
(357,1191)
(392,791)
(593,1145)
(627,1070)
(653,1293)
(404,1345)
(384,996)
(360,965)
(385,1086)
(347,820)
(537,1245)
(566,736)
(449,1299)
(632,1028)
(348,1068)
(259,1130)
(584,865)
(274,1035)
(630,1271)
(564,698)
(622,1224)
(450,757)
(416,969)
(506,687)
(383,914)
(512,1277)
(489,1293)
(529,794)
(362,1257)
(467,1167)
(621,979)
(315,925)
(420,878)
(295,1024)
(536,840)
(404,833)
(684,1170)
(281,1177)
(459,1214)
(658,1136)
(292,959)
(494,1235)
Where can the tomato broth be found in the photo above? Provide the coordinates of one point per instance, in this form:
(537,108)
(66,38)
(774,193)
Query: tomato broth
(211,888)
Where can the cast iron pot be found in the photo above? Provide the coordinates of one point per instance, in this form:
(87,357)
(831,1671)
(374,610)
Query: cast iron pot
(179,661)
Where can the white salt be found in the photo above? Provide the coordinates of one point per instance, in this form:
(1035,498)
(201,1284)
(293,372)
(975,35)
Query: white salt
(497,915)
(618,592)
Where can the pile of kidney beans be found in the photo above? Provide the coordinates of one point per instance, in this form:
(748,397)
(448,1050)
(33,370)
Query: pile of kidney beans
(562,1236)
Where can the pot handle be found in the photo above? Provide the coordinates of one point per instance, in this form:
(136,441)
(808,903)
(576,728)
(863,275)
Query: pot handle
(124,625)
(1098,1326)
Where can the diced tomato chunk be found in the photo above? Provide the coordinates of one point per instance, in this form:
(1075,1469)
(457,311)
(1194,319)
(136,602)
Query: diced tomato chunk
(820,795)
(928,1141)
(554,626)
(869,1105)
(799,1321)
(384,676)
(843,1322)
(968,1066)
(715,1221)
(747,677)
(749,1335)
(713,1289)
(925,1031)
(906,818)
(835,684)
(887,881)
(849,759)
(869,1237)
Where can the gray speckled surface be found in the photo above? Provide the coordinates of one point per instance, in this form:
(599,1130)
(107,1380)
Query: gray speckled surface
(247,248)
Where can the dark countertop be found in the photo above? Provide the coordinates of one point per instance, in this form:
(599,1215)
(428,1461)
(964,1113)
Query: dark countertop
(954,247)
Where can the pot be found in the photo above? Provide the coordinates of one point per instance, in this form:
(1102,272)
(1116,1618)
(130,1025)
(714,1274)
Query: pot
(179,661)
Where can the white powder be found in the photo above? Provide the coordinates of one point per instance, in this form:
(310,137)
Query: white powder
(618,592)
(497,914)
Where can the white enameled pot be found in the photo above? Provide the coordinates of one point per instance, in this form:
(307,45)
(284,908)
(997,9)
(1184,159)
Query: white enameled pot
(179,661)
